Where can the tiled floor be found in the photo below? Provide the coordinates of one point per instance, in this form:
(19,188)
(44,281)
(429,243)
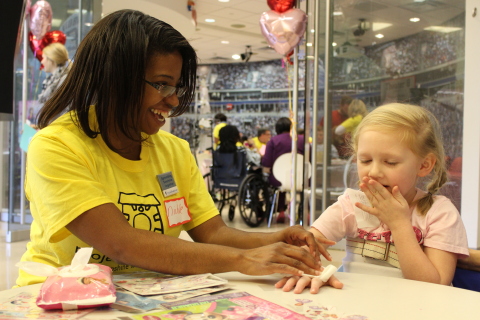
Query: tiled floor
(11,253)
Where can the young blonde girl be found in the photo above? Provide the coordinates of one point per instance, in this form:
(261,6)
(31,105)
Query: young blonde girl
(392,227)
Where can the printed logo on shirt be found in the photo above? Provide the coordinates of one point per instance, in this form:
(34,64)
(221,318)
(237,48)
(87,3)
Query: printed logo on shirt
(177,212)
(142,212)
(386,236)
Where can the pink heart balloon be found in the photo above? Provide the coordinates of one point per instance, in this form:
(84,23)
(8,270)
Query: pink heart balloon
(40,18)
(283,31)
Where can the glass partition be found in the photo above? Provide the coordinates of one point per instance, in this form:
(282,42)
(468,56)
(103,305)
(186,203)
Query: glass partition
(68,20)
(398,51)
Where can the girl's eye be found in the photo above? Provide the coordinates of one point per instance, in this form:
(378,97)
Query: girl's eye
(365,161)
(391,163)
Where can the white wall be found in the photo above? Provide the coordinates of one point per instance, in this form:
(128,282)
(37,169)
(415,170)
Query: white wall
(471,127)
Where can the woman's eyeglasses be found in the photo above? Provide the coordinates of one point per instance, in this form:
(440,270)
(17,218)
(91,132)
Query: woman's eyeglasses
(167,91)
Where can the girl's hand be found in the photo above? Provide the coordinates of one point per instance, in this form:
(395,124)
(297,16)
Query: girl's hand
(391,208)
(300,283)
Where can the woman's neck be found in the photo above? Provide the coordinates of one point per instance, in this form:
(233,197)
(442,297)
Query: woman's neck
(131,152)
(127,148)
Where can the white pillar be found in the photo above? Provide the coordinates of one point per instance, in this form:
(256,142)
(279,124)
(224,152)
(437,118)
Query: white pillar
(471,129)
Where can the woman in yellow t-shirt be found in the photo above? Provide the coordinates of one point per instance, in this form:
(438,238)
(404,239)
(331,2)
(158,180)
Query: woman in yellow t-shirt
(104,175)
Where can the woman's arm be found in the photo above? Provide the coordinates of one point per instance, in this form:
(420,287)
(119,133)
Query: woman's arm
(105,228)
(298,284)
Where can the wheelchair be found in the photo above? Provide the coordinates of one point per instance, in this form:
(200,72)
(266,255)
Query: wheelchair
(224,179)
(254,197)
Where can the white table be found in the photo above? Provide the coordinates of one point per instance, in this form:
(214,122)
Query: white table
(379,298)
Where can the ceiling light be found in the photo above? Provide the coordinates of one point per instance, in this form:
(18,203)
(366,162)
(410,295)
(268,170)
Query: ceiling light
(209,20)
(236,56)
(312,31)
(309,44)
(443,29)
(337,13)
(223,0)
(377,26)
(414,19)
(334,44)
(225,42)
(379,36)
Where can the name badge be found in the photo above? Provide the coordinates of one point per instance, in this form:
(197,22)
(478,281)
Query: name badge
(167,184)
(177,212)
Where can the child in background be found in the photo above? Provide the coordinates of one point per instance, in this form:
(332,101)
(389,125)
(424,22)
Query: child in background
(400,231)
(356,112)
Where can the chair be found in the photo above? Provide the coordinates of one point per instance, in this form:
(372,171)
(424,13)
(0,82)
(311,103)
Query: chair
(227,175)
(467,273)
(466,279)
(349,174)
(282,171)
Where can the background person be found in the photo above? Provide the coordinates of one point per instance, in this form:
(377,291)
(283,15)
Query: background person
(260,141)
(339,116)
(278,145)
(55,63)
(105,176)
(220,121)
(420,234)
(356,112)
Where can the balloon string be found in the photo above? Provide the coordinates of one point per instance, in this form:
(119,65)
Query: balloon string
(290,101)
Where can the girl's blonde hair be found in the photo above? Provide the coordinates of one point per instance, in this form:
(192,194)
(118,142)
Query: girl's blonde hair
(357,107)
(419,130)
(57,53)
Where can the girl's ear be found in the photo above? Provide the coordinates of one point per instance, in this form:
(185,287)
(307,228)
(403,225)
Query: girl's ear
(427,165)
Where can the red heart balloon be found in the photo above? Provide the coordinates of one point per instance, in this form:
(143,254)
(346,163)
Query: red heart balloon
(54,36)
(280,5)
(36,46)
(283,31)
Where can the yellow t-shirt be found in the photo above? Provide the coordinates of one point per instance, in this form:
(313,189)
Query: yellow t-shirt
(351,123)
(216,133)
(258,144)
(69,173)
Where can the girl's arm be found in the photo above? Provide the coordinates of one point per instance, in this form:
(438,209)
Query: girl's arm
(429,264)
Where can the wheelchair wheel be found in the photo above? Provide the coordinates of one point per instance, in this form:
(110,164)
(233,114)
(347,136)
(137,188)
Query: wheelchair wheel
(253,200)
(231,212)
(220,197)
(209,183)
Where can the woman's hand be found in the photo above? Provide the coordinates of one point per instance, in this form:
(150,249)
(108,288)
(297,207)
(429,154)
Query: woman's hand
(300,283)
(278,258)
(298,236)
(391,208)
